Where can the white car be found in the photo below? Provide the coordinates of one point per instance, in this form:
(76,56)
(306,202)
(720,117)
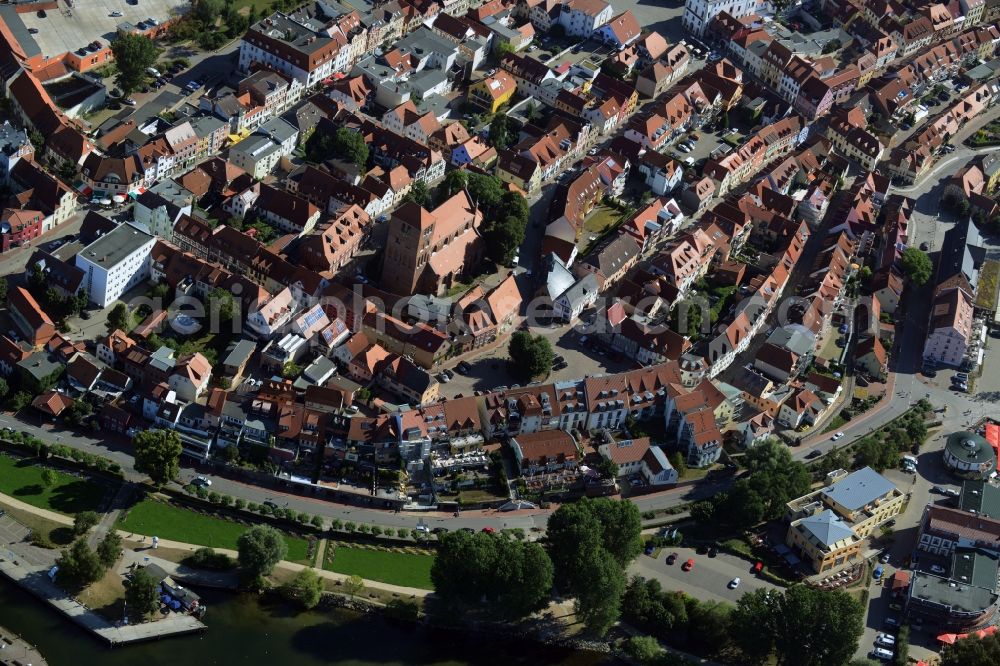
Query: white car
(683,148)
(734,583)
(937,568)
(884,639)
(116,13)
(837,436)
(202,481)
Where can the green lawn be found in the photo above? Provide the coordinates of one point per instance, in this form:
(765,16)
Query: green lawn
(170,522)
(23,479)
(601,218)
(407,569)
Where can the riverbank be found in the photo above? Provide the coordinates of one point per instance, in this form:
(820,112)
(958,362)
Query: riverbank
(254,631)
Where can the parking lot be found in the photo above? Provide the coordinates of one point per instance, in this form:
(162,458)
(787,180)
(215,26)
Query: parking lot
(708,579)
(69,28)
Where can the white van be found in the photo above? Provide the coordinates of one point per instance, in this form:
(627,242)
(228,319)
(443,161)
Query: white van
(152,71)
(880,653)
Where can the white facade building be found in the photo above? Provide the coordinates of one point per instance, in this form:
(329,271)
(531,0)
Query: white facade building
(115,263)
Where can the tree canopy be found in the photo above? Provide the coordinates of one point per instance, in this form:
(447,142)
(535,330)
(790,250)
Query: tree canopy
(917,265)
(79,566)
(141,595)
(786,623)
(772,480)
(972,651)
(513,578)
(591,542)
(344,144)
(134,53)
(260,548)
(158,454)
(530,355)
(502,134)
(120,318)
(306,589)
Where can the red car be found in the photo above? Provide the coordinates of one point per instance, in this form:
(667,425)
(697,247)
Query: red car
(758,567)
(687,566)
(489,530)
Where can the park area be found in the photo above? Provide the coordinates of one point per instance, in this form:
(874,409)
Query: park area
(153,518)
(396,567)
(64,493)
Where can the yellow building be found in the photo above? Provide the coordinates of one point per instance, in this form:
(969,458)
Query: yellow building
(828,526)
(493,92)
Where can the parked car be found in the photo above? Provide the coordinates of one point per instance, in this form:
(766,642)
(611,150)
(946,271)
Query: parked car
(687,566)
(202,481)
(837,436)
(734,583)
(463,367)
(713,551)
(891,622)
(880,653)
(813,454)
(671,558)
(937,569)
(758,567)
(885,639)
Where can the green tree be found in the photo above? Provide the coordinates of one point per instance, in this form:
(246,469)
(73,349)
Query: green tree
(972,651)
(917,265)
(644,649)
(134,53)
(84,521)
(344,144)
(901,657)
(120,318)
(531,356)
(109,549)
(141,595)
(419,194)
(78,566)
(768,621)
(454,182)
(20,400)
(591,542)
(37,139)
(221,301)
(48,478)
(354,585)
(503,239)
(501,132)
(510,578)
(291,370)
(486,191)
(679,463)
(305,589)
(598,604)
(260,548)
(157,453)
(67,171)
(607,468)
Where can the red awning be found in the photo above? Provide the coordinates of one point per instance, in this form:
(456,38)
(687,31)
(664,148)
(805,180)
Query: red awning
(948,639)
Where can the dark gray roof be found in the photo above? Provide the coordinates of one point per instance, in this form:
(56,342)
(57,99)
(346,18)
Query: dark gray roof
(117,244)
(974,567)
(10,17)
(238,352)
(980,497)
(970,448)
(941,590)
(962,252)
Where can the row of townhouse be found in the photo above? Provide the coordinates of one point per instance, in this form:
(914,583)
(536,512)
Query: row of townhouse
(740,165)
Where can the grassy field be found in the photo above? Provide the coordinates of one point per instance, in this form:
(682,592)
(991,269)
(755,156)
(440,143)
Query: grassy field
(408,569)
(177,524)
(601,218)
(23,479)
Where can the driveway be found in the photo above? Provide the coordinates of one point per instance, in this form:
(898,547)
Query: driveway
(709,579)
